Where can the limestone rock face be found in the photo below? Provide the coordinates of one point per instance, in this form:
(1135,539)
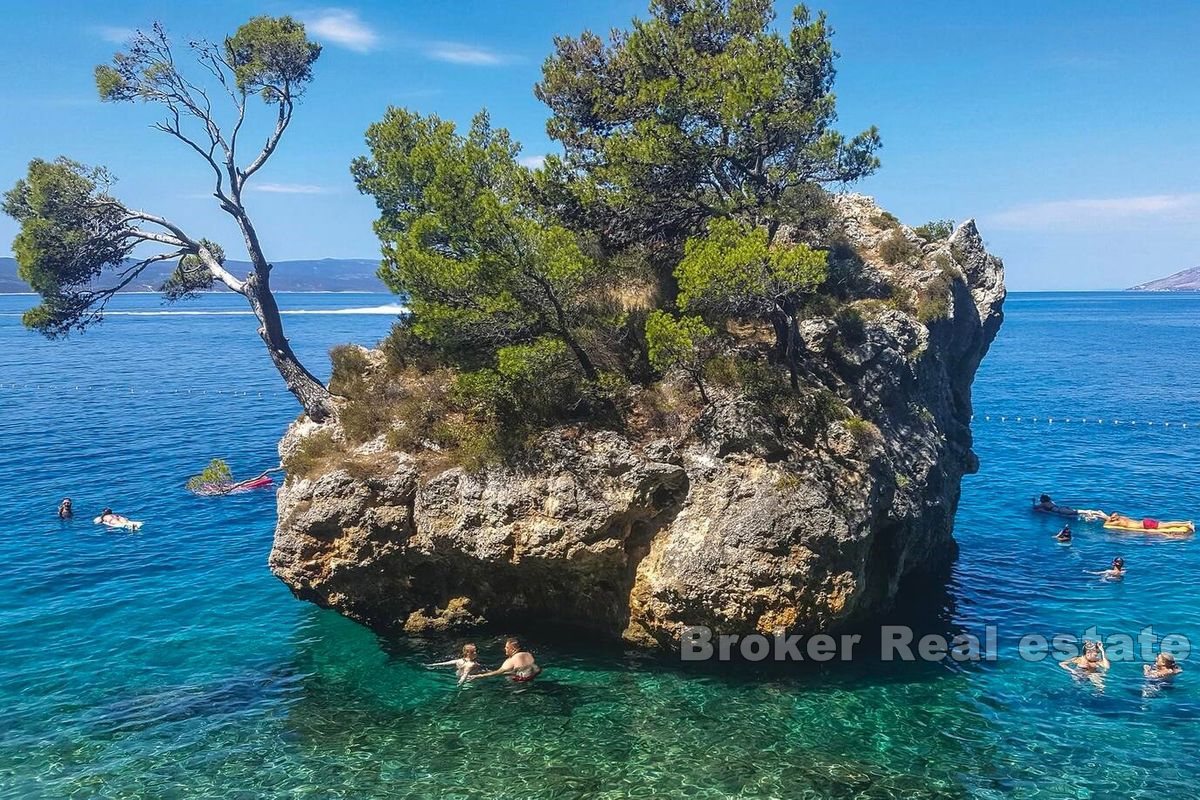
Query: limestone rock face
(732,523)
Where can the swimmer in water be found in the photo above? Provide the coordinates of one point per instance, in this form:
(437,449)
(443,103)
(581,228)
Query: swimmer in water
(1165,666)
(1114,573)
(464,666)
(1093,661)
(1064,535)
(65,511)
(519,665)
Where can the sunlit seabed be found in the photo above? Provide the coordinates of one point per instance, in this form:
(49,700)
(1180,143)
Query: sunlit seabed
(170,663)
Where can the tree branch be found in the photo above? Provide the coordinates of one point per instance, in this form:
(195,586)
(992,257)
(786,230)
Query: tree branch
(281,124)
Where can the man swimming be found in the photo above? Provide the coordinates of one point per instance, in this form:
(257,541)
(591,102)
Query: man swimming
(1093,661)
(519,664)
(65,511)
(1064,535)
(1114,573)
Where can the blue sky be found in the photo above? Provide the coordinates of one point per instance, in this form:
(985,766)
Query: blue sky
(1067,129)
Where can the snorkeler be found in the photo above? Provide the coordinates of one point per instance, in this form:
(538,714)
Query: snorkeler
(1114,573)
(1065,534)
(1165,666)
(519,664)
(65,511)
(463,666)
(1093,661)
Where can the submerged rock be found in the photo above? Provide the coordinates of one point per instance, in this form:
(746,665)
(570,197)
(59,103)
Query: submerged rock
(738,522)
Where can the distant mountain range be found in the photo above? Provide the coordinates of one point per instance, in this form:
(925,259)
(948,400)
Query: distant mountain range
(315,275)
(1187,280)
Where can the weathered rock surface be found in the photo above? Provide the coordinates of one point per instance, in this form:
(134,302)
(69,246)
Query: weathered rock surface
(730,523)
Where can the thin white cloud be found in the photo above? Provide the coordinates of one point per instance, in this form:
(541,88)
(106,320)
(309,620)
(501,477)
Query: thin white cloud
(1088,213)
(533,162)
(342,27)
(459,53)
(289,188)
(114,33)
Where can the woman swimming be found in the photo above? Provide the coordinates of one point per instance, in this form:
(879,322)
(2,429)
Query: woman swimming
(1165,666)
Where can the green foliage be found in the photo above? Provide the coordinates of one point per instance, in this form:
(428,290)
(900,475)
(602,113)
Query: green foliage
(702,110)
(217,472)
(531,385)
(897,249)
(269,55)
(734,271)
(673,341)
(722,370)
(272,56)
(933,302)
(403,348)
(886,220)
(70,232)
(480,265)
(312,454)
(851,325)
(864,432)
(935,230)
(690,199)
(192,275)
(686,343)
(901,298)
(348,376)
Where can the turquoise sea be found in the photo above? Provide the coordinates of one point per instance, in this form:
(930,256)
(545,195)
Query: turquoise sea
(170,663)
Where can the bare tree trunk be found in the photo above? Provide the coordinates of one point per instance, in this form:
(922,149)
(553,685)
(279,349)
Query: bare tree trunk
(787,336)
(315,399)
(312,394)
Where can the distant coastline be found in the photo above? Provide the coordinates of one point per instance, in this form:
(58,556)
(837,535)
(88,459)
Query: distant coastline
(334,275)
(1186,280)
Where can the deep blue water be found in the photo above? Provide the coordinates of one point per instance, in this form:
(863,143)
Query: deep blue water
(170,663)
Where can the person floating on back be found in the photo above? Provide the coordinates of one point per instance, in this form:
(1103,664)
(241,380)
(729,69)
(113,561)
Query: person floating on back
(65,511)
(519,664)
(463,666)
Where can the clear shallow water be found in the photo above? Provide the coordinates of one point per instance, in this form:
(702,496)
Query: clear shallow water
(170,663)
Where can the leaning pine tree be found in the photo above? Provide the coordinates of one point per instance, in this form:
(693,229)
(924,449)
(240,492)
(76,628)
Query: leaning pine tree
(78,244)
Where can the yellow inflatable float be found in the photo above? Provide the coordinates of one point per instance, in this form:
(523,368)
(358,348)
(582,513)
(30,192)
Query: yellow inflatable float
(1117,522)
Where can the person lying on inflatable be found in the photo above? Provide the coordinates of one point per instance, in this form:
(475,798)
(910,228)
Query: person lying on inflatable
(1121,522)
